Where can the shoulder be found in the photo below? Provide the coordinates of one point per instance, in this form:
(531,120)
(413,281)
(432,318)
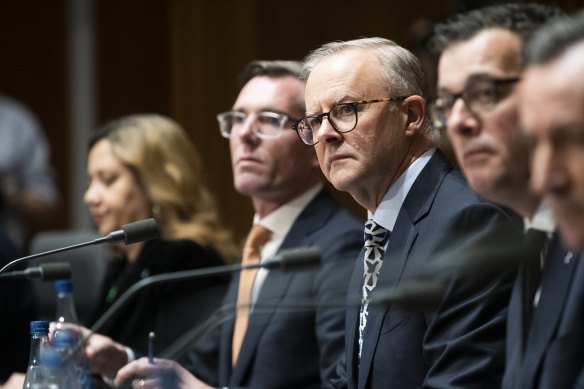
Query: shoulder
(20,117)
(180,254)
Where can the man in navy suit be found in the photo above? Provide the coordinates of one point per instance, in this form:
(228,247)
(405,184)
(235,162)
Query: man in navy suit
(295,334)
(551,101)
(367,117)
(479,71)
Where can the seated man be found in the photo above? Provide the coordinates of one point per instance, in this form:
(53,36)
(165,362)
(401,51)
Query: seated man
(367,119)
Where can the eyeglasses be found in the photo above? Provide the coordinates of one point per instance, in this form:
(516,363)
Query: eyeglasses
(480,96)
(267,125)
(343,117)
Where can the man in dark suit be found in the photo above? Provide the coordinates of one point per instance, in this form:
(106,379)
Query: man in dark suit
(551,101)
(295,333)
(479,69)
(366,116)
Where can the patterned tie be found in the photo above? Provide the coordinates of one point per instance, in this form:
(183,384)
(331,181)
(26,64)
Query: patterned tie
(257,237)
(375,238)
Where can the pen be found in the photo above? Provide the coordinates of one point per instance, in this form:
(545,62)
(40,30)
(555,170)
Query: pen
(151,337)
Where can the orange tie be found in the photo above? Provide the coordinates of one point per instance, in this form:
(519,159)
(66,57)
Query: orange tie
(257,237)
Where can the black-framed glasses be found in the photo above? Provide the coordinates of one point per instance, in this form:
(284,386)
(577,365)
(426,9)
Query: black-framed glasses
(343,117)
(267,125)
(480,96)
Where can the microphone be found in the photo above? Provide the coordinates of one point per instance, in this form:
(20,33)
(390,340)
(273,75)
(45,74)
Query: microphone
(138,231)
(286,260)
(413,294)
(45,272)
(293,259)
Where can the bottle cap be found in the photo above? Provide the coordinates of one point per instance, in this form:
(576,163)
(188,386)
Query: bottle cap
(39,327)
(64,286)
(64,338)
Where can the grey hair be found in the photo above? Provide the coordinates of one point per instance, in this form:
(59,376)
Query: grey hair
(402,72)
(554,39)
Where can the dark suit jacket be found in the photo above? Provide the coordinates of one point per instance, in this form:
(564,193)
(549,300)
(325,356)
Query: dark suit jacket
(160,308)
(554,350)
(461,343)
(291,342)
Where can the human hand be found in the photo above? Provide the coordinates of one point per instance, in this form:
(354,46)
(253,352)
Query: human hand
(163,373)
(104,356)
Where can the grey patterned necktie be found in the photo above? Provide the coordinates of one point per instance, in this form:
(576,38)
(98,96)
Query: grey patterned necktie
(375,238)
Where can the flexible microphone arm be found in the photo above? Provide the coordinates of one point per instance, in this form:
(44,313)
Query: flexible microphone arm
(141,230)
(285,260)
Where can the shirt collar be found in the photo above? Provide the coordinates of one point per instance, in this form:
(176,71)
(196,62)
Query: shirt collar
(542,219)
(280,220)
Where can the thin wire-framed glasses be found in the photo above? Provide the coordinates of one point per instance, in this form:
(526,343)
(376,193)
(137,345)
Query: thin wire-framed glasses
(266,125)
(480,96)
(343,117)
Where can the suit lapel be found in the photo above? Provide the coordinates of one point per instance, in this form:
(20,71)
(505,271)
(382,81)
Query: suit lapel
(556,281)
(276,284)
(416,205)
(352,318)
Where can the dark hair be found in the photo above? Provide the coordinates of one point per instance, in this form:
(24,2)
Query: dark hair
(554,39)
(519,18)
(275,69)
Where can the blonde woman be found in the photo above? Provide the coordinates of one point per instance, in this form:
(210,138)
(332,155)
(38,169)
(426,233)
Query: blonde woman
(145,166)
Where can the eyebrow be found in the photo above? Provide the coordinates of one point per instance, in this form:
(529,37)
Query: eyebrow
(472,78)
(339,100)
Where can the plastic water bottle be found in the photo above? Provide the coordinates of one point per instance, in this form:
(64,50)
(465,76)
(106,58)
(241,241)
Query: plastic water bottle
(54,371)
(67,336)
(64,352)
(37,374)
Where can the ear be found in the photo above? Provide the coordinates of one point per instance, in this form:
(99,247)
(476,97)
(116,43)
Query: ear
(415,109)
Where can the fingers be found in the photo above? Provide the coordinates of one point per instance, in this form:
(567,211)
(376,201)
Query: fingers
(138,368)
(148,383)
(162,373)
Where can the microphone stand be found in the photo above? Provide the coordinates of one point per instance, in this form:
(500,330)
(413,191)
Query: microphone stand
(179,276)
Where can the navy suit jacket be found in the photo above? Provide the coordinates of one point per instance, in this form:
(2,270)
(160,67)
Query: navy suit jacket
(461,343)
(291,341)
(554,350)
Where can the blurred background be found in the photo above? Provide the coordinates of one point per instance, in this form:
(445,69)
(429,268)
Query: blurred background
(79,63)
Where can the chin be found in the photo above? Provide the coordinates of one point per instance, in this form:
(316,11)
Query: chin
(573,236)
(571,225)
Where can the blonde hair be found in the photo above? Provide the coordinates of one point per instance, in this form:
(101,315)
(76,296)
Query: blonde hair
(169,170)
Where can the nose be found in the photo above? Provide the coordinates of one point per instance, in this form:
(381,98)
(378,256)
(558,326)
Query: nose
(246,131)
(461,121)
(326,132)
(91,195)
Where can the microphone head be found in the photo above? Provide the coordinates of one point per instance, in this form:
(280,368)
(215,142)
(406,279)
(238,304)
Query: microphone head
(412,295)
(140,231)
(55,271)
(294,259)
